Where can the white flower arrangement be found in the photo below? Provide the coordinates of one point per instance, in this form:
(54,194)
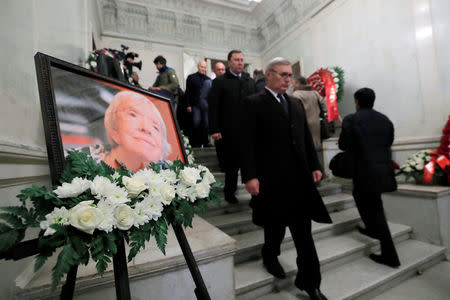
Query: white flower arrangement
(96,205)
(413,167)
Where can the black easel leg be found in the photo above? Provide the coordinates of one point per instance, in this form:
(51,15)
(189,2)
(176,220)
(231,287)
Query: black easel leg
(69,287)
(200,288)
(121,272)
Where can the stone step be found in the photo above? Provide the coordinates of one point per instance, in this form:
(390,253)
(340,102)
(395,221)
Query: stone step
(249,244)
(433,284)
(204,152)
(240,221)
(355,277)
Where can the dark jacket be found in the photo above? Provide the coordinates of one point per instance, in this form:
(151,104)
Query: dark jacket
(167,80)
(226,102)
(278,150)
(369,135)
(194,83)
(260,84)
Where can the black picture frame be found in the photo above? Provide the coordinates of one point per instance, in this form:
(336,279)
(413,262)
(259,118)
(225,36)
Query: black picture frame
(58,79)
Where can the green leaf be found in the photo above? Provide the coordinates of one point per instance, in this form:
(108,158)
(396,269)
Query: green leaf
(66,259)
(40,261)
(15,221)
(9,237)
(160,233)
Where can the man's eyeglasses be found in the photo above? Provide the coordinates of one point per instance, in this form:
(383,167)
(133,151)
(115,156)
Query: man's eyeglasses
(283,75)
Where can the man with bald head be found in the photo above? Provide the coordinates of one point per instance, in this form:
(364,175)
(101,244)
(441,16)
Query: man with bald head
(194,83)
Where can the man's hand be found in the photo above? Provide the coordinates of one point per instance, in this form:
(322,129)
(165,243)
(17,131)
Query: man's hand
(216,136)
(154,88)
(252,186)
(317,175)
(189,109)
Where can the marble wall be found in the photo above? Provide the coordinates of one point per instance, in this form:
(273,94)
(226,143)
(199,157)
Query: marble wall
(59,28)
(398,48)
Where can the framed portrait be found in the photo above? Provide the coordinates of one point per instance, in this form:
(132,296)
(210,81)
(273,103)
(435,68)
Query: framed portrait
(109,119)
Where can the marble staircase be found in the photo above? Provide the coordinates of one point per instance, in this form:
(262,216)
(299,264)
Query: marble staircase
(347,271)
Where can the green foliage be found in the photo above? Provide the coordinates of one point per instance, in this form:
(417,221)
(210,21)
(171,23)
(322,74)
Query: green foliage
(78,247)
(66,259)
(340,76)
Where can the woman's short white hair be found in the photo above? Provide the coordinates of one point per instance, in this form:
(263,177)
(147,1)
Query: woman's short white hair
(111,123)
(277,61)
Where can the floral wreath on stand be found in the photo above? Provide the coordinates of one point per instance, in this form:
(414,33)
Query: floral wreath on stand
(95,206)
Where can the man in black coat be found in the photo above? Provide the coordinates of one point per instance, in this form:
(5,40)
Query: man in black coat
(368,136)
(279,168)
(199,111)
(225,113)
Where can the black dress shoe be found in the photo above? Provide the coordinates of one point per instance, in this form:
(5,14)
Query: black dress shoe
(364,231)
(316,295)
(232,199)
(273,267)
(382,260)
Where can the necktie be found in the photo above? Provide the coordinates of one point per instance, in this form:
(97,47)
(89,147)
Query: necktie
(283,102)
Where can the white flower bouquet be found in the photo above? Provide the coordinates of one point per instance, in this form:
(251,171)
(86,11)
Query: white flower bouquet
(96,205)
(413,167)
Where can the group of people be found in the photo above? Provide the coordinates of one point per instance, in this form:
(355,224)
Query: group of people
(273,139)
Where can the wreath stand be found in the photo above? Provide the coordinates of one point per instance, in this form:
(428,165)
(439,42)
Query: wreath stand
(30,248)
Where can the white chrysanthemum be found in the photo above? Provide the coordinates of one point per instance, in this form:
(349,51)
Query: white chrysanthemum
(169,176)
(412,163)
(134,185)
(125,216)
(57,216)
(191,159)
(142,213)
(153,207)
(182,190)
(116,175)
(107,211)
(85,216)
(117,195)
(336,80)
(189,175)
(208,177)
(408,169)
(73,189)
(167,193)
(202,190)
(100,186)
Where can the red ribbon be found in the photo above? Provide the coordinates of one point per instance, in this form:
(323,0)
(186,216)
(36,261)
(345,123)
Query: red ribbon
(322,81)
(442,161)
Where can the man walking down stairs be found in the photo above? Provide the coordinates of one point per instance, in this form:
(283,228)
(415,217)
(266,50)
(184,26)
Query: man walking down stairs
(347,271)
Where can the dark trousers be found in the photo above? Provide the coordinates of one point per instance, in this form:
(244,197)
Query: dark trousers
(200,122)
(308,274)
(229,166)
(370,207)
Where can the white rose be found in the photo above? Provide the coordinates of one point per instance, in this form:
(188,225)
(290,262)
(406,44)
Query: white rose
(168,193)
(73,189)
(189,176)
(202,189)
(57,216)
(124,216)
(207,176)
(134,185)
(408,169)
(85,217)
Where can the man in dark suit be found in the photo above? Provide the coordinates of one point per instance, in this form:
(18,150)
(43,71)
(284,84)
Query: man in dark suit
(194,83)
(225,111)
(368,136)
(279,168)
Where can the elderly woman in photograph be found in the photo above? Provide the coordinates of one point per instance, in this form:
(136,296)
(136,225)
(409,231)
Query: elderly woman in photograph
(136,132)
